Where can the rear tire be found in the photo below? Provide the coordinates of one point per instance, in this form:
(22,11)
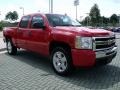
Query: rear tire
(61,61)
(11,49)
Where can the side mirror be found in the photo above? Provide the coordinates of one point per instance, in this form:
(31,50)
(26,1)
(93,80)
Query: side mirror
(38,25)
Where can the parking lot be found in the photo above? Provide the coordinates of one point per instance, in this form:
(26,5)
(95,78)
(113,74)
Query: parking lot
(30,71)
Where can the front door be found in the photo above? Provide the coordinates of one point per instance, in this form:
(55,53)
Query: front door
(38,36)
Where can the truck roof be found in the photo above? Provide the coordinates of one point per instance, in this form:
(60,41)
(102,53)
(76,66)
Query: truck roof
(41,14)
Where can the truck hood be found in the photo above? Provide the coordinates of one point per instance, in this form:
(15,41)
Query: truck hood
(83,31)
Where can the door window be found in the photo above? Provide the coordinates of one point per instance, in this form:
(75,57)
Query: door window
(37,22)
(24,22)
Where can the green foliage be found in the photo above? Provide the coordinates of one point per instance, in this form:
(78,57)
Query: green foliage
(95,15)
(104,21)
(86,21)
(95,19)
(7,24)
(12,16)
(114,19)
(1,26)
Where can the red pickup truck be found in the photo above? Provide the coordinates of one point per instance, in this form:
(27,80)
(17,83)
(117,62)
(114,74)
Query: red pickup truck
(63,39)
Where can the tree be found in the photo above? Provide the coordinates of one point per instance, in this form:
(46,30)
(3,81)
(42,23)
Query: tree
(114,19)
(104,21)
(95,15)
(12,16)
(86,21)
(1,26)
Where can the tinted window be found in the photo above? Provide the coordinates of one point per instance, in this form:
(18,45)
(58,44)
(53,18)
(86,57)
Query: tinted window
(61,20)
(37,19)
(24,22)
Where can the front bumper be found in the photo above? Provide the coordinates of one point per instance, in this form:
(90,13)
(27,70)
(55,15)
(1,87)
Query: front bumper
(88,58)
(83,58)
(106,53)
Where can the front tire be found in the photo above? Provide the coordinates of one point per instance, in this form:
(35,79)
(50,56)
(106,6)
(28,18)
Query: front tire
(61,61)
(11,49)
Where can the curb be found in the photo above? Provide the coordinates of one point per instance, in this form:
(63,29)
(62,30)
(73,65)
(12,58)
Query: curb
(2,49)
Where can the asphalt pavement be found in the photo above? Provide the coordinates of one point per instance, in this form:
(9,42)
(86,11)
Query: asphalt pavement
(2,44)
(1,34)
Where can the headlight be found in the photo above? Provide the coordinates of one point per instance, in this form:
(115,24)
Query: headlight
(83,42)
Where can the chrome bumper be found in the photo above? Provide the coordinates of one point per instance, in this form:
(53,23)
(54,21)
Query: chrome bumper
(106,53)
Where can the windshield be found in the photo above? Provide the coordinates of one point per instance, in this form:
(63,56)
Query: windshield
(61,20)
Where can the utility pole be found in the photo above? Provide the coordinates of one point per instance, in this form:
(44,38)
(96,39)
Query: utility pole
(76,12)
(119,19)
(87,19)
(102,22)
(22,9)
(76,3)
(0,12)
(0,15)
(50,6)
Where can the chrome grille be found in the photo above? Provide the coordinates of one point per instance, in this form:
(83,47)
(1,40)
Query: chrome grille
(104,42)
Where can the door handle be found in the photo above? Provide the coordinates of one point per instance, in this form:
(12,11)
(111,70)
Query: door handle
(29,33)
(19,31)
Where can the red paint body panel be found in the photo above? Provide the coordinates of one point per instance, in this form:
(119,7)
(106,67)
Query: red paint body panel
(83,58)
(39,40)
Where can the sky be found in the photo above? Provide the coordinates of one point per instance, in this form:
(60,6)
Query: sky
(107,7)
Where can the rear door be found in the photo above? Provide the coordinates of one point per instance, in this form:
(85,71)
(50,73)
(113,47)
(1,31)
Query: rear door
(38,37)
(22,32)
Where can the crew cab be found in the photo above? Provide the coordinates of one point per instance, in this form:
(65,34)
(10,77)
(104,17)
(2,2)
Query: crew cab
(63,40)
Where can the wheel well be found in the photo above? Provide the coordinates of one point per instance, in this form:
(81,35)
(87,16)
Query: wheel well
(55,44)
